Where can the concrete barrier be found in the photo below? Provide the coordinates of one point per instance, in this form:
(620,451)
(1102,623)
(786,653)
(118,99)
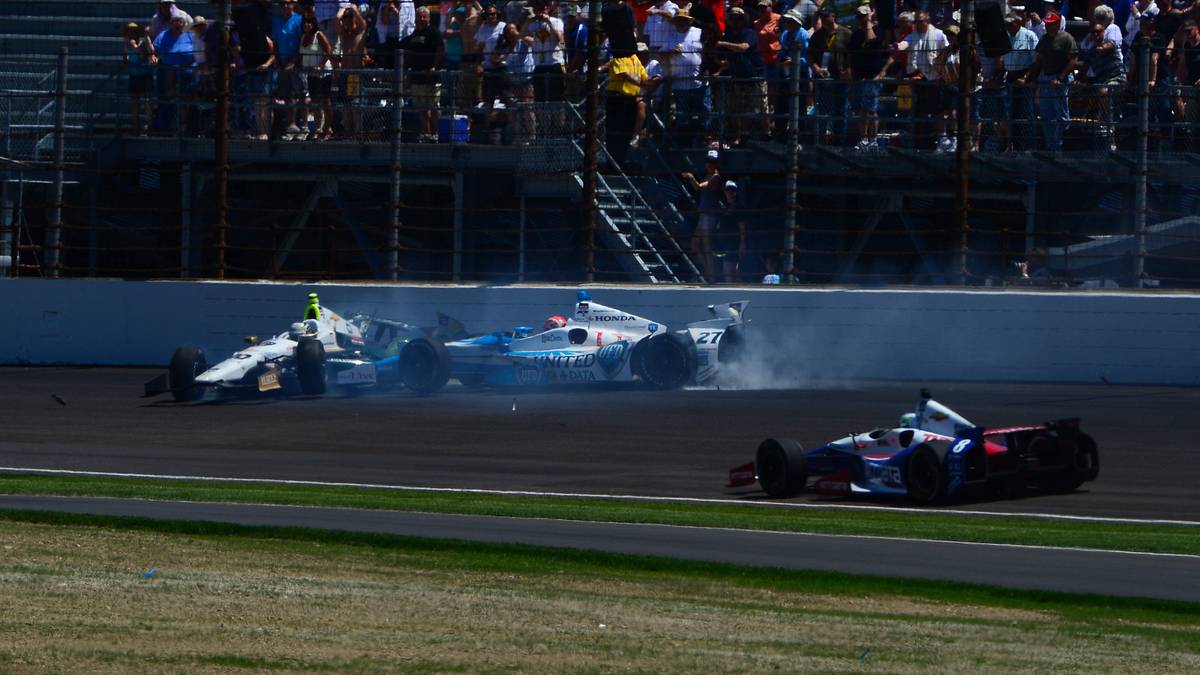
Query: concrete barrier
(811,334)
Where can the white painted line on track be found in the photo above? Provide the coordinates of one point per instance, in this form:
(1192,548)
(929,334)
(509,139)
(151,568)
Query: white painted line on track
(873,537)
(584,495)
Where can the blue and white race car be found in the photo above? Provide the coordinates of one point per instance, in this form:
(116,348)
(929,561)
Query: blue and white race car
(934,454)
(597,344)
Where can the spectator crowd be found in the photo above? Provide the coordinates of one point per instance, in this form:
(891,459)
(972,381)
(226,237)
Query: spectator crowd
(700,73)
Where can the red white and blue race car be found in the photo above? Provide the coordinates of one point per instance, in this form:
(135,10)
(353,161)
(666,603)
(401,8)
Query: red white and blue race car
(934,454)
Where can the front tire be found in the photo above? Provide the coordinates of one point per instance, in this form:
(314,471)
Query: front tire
(424,366)
(926,480)
(186,363)
(667,361)
(781,467)
(310,367)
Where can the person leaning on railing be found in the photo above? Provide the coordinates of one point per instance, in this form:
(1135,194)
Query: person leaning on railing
(1016,129)
(746,103)
(1054,72)
(176,76)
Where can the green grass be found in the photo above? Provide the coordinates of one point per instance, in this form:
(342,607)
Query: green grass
(517,559)
(1147,537)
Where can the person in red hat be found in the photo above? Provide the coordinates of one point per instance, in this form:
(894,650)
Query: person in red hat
(1054,70)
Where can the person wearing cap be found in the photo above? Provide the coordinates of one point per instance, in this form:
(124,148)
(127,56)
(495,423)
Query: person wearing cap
(1133,23)
(681,57)
(1100,51)
(1054,71)
(710,205)
(549,59)
(729,239)
(793,57)
(1016,130)
(868,65)
(747,101)
(164,15)
(140,60)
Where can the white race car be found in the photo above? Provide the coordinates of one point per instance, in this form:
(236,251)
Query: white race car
(306,358)
(597,344)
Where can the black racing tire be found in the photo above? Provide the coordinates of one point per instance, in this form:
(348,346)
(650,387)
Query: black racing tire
(1084,466)
(732,348)
(926,477)
(781,467)
(310,366)
(667,360)
(186,363)
(424,366)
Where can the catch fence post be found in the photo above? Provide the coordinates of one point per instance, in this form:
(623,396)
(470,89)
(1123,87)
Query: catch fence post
(397,119)
(1143,147)
(791,222)
(54,221)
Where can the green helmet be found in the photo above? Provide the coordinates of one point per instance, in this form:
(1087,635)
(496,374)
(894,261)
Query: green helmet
(908,421)
(312,297)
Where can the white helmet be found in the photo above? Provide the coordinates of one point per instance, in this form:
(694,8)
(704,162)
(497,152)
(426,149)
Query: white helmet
(312,326)
(296,331)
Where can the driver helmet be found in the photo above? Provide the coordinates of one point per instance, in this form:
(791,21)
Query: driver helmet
(312,326)
(908,421)
(296,331)
(553,322)
(312,297)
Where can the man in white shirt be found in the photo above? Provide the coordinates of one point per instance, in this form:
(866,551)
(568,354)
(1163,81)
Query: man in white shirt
(924,46)
(658,26)
(681,57)
(548,59)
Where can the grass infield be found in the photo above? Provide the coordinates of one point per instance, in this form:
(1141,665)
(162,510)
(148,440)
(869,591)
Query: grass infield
(80,596)
(1148,537)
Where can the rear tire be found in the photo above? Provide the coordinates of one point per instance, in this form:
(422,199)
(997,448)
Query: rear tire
(781,467)
(667,360)
(732,348)
(424,366)
(1085,466)
(186,363)
(926,480)
(310,366)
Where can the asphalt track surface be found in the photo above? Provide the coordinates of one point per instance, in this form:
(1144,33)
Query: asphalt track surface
(1067,570)
(673,444)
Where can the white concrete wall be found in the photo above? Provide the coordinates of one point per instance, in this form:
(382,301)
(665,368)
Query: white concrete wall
(812,334)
